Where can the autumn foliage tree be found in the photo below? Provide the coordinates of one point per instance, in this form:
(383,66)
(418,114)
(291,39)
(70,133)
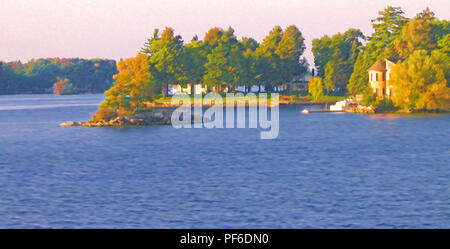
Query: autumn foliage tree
(133,87)
(415,35)
(63,86)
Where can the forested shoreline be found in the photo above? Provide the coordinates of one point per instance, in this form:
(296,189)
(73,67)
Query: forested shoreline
(57,75)
(220,62)
(421,45)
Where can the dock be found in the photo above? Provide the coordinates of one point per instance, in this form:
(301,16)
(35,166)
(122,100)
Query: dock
(340,106)
(306,111)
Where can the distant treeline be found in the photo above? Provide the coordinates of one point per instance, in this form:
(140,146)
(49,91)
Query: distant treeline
(43,75)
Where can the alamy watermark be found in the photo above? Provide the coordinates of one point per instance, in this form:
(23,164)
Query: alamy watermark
(190,113)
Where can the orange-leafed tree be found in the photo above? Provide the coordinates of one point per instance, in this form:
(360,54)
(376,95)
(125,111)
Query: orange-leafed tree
(133,87)
(63,86)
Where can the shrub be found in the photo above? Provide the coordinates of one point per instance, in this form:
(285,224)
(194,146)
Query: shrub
(315,87)
(104,114)
(369,98)
(384,105)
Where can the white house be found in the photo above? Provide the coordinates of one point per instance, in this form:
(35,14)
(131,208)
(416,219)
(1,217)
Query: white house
(178,89)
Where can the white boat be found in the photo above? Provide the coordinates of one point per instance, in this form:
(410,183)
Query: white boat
(339,106)
(305,111)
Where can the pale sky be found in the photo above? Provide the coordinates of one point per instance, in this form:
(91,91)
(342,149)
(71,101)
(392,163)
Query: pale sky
(118,28)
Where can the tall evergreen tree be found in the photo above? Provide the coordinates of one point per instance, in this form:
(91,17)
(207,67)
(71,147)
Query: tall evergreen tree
(335,57)
(164,58)
(387,27)
(191,62)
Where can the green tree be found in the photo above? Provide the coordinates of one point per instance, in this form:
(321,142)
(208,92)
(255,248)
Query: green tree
(268,62)
(443,60)
(387,28)
(192,64)
(420,83)
(291,45)
(165,53)
(323,52)
(330,76)
(213,36)
(270,43)
(223,65)
(335,56)
(289,50)
(147,49)
(249,75)
(359,80)
(315,87)
(444,44)
(215,67)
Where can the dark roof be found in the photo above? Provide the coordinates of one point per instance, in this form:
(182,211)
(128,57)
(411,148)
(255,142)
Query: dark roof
(380,66)
(393,60)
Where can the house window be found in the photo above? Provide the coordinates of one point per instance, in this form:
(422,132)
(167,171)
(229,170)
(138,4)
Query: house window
(376,77)
(383,76)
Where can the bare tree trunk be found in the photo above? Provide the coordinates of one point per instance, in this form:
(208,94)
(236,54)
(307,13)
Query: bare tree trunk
(164,90)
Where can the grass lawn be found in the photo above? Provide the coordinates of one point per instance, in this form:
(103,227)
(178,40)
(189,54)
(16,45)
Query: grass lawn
(282,98)
(162,100)
(326,98)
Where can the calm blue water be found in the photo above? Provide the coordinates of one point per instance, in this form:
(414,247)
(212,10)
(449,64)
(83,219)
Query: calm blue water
(324,170)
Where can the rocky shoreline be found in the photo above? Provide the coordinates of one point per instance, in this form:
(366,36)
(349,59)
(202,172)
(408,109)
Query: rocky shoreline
(145,119)
(161,115)
(370,110)
(361,109)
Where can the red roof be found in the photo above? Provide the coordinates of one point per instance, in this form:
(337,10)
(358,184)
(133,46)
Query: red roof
(380,66)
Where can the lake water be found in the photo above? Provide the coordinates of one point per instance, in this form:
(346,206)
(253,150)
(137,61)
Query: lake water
(324,170)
